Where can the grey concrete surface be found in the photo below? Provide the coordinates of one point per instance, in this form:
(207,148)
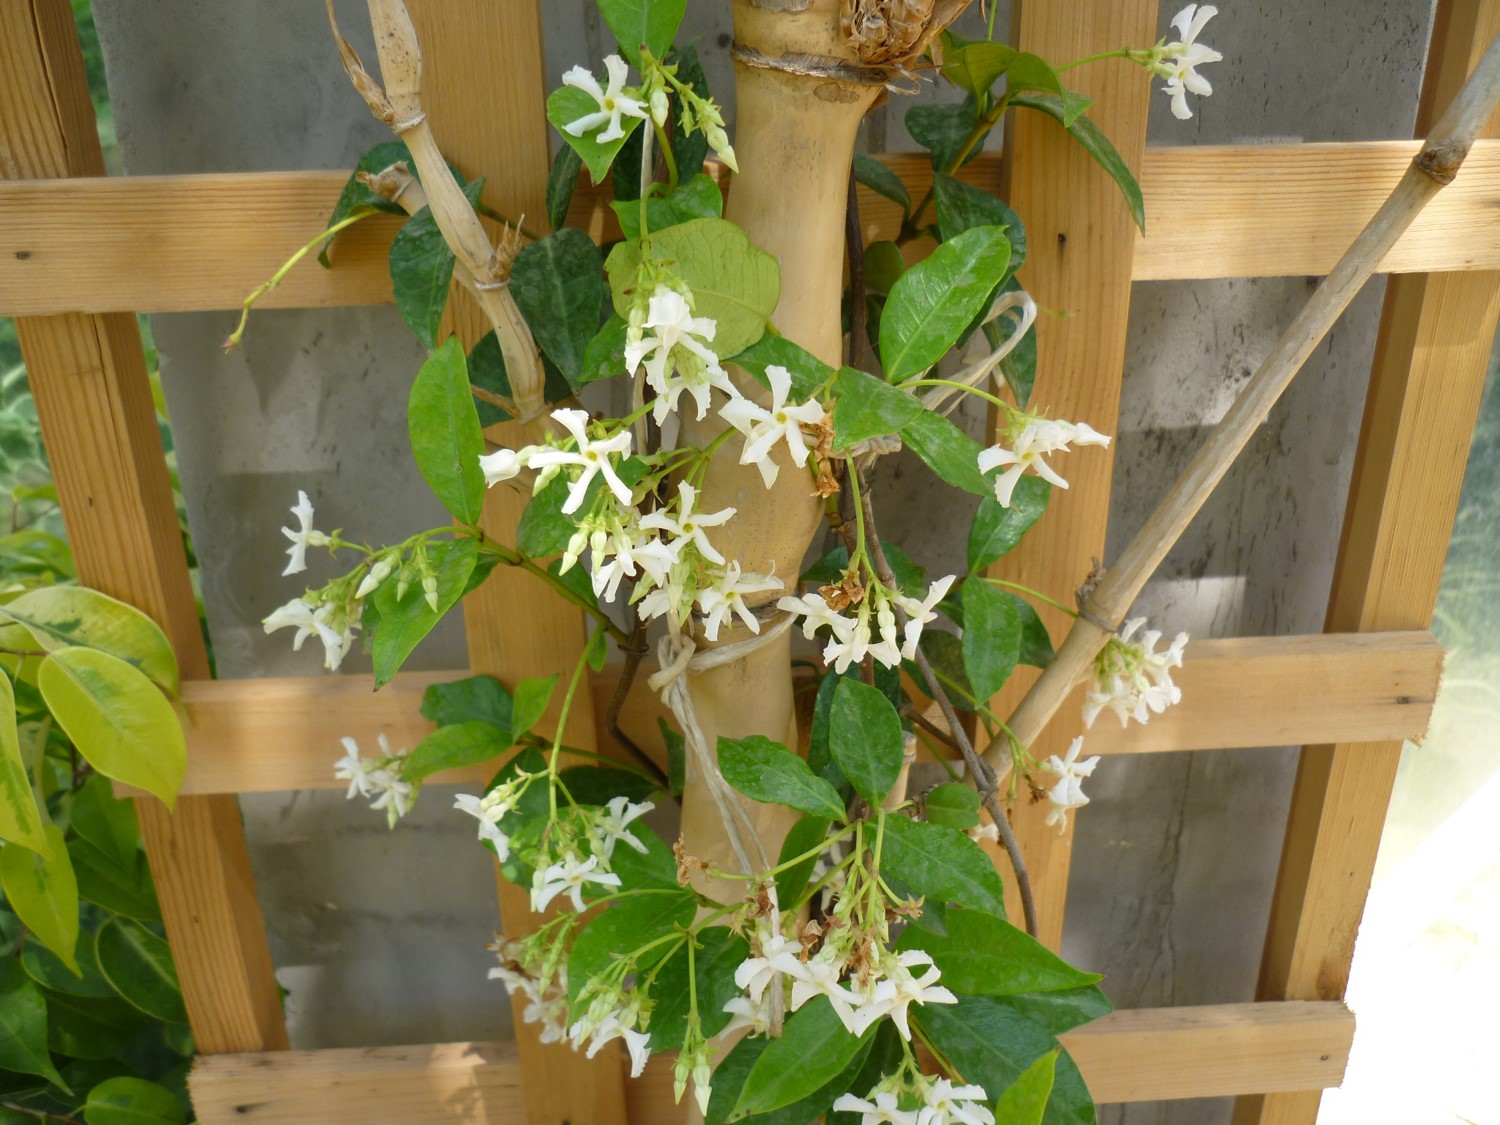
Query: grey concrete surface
(380,936)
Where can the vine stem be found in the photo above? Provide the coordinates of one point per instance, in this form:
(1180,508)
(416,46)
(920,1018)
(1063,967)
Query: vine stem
(985,779)
(1102,609)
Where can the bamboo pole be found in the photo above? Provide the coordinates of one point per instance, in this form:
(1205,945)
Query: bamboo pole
(1104,608)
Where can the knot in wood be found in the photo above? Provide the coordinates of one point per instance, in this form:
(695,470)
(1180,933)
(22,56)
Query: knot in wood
(1441,160)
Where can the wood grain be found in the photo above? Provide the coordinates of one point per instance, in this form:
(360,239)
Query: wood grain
(78,245)
(88,377)
(1143,1055)
(1431,360)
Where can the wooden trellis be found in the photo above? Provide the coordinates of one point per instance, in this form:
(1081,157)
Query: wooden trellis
(79,256)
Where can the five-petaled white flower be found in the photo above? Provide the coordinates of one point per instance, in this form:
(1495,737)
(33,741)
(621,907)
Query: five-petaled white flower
(303,536)
(673,326)
(884,1110)
(764,427)
(353,769)
(489,815)
(897,989)
(570,875)
(1067,792)
(593,456)
(611,824)
(1036,438)
(947,1104)
(325,619)
(726,595)
(614,104)
(1131,678)
(687,525)
(919,613)
(1178,62)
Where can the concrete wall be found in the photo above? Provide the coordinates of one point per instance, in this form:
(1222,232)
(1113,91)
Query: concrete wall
(379,936)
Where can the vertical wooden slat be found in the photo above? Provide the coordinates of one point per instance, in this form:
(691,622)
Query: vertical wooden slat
(1081,240)
(485,93)
(1436,335)
(88,377)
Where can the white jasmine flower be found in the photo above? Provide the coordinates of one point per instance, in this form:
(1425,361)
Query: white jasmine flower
(1034,440)
(677,346)
(752,1015)
(1178,62)
(551,1011)
(504,464)
(982,832)
(815,613)
(763,428)
(898,989)
(884,1110)
(638,1043)
(614,104)
(819,976)
(1132,679)
(687,526)
(302,537)
(726,596)
(856,641)
(569,875)
(777,956)
(919,613)
(326,620)
(947,1104)
(353,769)
(611,824)
(489,822)
(592,456)
(1067,793)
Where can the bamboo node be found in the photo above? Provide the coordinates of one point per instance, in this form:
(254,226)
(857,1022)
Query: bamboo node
(815,66)
(411,122)
(1441,162)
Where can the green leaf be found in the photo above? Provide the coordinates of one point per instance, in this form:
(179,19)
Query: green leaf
(117,718)
(983,955)
(486,366)
(405,621)
(814,1047)
(949,452)
(531,699)
(1025,1100)
(445,436)
(1095,143)
(481,699)
(23,1025)
(879,178)
(104,820)
(953,805)
(1070,1103)
(988,1043)
(356,194)
(20,815)
(48,970)
(937,299)
(124,888)
(992,636)
(44,894)
(720,953)
(1063,1009)
(454,747)
(868,408)
(689,149)
(90,1028)
(974,66)
(544,529)
(767,771)
(139,966)
(865,739)
(421,268)
(943,130)
(643,23)
(731,1073)
(132,1101)
(76,617)
(676,757)
(884,266)
(996,531)
(944,653)
(806,834)
(1036,645)
(567,104)
(598,785)
(1019,366)
(697,198)
(808,372)
(558,285)
(561,181)
(604,357)
(653,869)
(962,207)
(942,864)
(626,926)
(909,576)
(1031,72)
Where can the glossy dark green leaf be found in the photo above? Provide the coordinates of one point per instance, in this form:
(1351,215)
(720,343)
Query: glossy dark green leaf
(604,356)
(561,181)
(808,833)
(453,747)
(567,104)
(974,65)
(104,820)
(676,757)
(689,149)
(808,372)
(865,739)
(486,366)
(697,198)
(405,621)
(23,1024)
(949,452)
(86,1027)
(139,966)
(938,298)
(21,818)
(996,530)
(43,892)
(879,178)
(558,284)
(962,207)
(643,23)
(944,654)
(884,266)
(909,576)
(952,805)
(943,130)
(530,703)
(1024,1101)
(598,785)
(356,194)
(819,758)
(132,1101)
(868,408)
(1061,1010)
(941,864)
(767,771)
(47,969)
(989,1044)
(1036,645)
(992,636)
(814,1047)
(1095,143)
(421,268)
(473,699)
(730,1075)
(623,928)
(445,436)
(1031,72)
(119,886)
(653,869)
(544,529)
(719,954)
(983,955)
(1070,1102)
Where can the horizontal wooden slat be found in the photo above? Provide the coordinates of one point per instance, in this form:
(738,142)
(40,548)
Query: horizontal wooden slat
(1145,1055)
(248,736)
(184,243)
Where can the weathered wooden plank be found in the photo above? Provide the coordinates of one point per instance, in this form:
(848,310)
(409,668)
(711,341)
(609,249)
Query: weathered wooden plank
(190,243)
(1143,1055)
(88,376)
(1431,360)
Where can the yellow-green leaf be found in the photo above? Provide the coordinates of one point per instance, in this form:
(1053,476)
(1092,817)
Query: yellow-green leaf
(20,816)
(44,894)
(76,617)
(120,723)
